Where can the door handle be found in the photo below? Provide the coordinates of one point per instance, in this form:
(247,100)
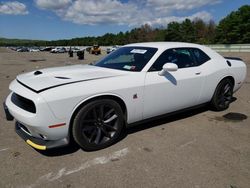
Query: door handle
(197,73)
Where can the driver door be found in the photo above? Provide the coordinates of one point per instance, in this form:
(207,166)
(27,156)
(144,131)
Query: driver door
(174,90)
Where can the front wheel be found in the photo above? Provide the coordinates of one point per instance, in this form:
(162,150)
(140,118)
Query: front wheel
(223,95)
(98,124)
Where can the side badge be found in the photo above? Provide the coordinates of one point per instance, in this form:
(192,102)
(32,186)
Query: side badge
(135,96)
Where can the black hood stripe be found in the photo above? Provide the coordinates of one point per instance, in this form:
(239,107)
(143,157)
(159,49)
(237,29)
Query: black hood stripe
(47,88)
(26,86)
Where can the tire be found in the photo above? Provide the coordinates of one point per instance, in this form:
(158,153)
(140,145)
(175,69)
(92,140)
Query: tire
(223,95)
(98,124)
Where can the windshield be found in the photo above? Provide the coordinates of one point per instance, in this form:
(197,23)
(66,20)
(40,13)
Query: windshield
(128,58)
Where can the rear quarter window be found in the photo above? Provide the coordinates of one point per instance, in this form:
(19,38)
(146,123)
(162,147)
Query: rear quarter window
(200,56)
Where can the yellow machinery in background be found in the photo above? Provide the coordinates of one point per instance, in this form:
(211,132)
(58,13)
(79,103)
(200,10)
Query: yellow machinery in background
(95,50)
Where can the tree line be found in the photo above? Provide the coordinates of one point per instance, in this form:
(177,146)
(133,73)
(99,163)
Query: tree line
(233,29)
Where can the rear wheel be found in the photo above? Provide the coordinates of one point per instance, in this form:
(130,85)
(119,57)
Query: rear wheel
(98,124)
(223,95)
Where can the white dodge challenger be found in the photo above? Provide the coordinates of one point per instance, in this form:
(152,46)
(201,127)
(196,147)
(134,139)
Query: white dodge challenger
(91,104)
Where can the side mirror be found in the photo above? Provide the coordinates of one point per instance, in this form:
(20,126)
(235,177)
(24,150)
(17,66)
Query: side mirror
(168,67)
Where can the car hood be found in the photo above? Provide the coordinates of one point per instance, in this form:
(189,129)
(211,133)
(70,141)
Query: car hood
(45,79)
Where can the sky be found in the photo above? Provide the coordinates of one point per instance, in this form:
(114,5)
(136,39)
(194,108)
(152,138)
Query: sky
(65,19)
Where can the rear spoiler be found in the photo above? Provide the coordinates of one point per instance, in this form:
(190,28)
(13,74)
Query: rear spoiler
(233,58)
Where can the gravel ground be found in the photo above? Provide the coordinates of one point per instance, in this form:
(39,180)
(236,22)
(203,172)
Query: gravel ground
(199,148)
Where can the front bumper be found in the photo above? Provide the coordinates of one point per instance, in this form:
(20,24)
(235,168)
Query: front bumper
(39,123)
(39,143)
(8,116)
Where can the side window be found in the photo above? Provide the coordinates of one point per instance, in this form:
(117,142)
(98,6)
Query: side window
(167,56)
(185,58)
(182,57)
(200,56)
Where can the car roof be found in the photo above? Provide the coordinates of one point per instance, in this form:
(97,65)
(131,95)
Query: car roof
(165,45)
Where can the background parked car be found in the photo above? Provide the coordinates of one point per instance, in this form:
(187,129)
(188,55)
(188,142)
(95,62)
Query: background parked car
(88,49)
(34,49)
(58,50)
(111,49)
(23,49)
(46,49)
(75,49)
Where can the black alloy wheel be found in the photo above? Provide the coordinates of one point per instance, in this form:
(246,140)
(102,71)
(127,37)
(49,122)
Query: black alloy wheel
(98,124)
(223,95)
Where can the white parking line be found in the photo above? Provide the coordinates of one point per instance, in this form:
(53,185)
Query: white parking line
(64,172)
(187,143)
(4,149)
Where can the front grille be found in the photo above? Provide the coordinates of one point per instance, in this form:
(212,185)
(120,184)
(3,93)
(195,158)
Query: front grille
(23,103)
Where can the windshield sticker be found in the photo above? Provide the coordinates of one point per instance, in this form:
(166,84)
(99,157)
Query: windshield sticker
(128,67)
(138,51)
